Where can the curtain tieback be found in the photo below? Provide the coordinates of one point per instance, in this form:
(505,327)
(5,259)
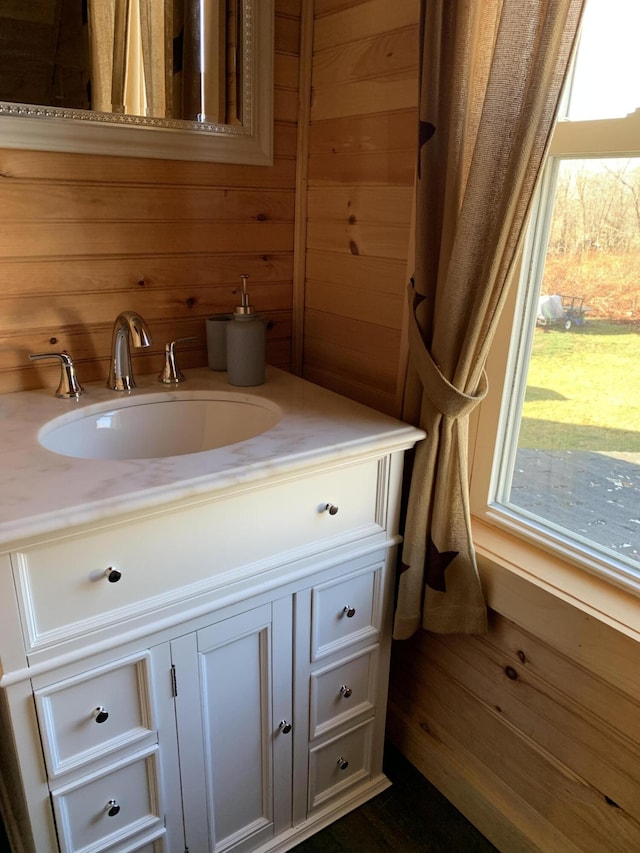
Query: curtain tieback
(449,400)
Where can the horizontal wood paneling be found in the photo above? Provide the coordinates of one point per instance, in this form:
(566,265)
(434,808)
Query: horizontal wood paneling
(470,711)
(391,131)
(92,347)
(360,175)
(375,275)
(548,703)
(511,823)
(383,205)
(78,238)
(95,307)
(78,168)
(322,7)
(376,241)
(287,29)
(381,56)
(350,23)
(588,641)
(353,389)
(375,167)
(286,70)
(345,346)
(129,275)
(85,237)
(584,742)
(353,303)
(363,97)
(125,202)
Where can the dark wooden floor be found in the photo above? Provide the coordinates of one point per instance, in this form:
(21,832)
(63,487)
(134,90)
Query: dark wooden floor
(409,817)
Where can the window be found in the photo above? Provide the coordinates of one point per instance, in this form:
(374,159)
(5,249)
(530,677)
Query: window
(566,470)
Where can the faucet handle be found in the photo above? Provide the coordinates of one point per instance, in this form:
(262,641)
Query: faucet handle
(68,387)
(171,373)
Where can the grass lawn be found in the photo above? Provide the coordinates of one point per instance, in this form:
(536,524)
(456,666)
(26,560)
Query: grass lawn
(583,390)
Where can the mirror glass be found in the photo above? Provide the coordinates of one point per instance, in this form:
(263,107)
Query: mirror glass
(186,78)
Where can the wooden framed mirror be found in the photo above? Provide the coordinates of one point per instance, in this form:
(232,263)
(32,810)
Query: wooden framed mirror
(172,79)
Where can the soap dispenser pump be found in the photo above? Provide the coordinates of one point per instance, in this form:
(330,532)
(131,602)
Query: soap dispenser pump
(245,342)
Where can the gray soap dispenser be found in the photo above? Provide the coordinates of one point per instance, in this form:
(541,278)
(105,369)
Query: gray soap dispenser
(245,342)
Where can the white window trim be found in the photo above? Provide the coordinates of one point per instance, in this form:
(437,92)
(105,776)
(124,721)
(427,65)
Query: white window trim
(502,543)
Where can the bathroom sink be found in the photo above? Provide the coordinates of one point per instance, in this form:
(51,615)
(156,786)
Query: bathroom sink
(159,425)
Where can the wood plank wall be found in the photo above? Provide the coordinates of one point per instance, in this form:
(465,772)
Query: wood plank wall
(534,730)
(362,140)
(84,237)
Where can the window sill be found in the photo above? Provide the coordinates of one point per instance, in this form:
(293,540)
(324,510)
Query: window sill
(498,551)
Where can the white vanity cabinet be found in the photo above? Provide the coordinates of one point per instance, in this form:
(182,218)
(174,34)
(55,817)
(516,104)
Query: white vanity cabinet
(234,722)
(207,673)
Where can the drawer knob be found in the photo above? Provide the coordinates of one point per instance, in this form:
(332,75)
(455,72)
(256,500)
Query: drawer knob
(349,611)
(101,714)
(113,808)
(112,575)
(342,763)
(332,509)
(345,691)
(285,727)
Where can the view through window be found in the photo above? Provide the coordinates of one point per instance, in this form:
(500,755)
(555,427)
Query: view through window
(569,462)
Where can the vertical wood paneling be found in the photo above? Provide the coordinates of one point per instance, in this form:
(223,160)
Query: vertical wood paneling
(360,175)
(84,237)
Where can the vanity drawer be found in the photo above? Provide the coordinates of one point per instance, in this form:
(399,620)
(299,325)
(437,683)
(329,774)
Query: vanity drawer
(64,590)
(109,807)
(95,714)
(339,763)
(343,691)
(346,611)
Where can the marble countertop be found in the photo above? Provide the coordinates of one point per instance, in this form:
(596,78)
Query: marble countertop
(46,492)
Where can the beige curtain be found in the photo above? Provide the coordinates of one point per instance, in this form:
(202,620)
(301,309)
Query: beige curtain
(101,19)
(152,37)
(490,79)
(127,39)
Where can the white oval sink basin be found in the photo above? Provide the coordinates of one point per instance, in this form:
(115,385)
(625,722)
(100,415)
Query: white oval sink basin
(158,425)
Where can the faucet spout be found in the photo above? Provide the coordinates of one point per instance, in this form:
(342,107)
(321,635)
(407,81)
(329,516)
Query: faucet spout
(128,327)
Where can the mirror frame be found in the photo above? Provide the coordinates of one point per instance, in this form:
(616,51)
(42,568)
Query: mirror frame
(44,128)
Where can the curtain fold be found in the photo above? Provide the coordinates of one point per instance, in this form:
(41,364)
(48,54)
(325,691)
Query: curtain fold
(154,58)
(128,56)
(490,80)
(101,22)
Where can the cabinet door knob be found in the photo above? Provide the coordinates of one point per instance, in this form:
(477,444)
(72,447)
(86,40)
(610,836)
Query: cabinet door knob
(101,714)
(332,509)
(342,763)
(285,727)
(112,575)
(112,808)
(349,611)
(346,691)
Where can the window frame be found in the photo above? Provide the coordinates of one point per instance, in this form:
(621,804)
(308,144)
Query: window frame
(502,538)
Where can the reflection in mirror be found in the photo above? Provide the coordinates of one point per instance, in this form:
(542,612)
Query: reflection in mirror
(185,65)
(178,59)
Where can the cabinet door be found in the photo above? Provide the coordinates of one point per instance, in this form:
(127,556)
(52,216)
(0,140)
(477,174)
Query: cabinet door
(234,716)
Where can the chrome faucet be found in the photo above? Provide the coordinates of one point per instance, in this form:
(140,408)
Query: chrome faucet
(127,324)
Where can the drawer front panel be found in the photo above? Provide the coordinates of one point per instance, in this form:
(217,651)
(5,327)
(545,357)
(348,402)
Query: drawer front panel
(66,587)
(109,807)
(339,763)
(343,691)
(95,714)
(346,611)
